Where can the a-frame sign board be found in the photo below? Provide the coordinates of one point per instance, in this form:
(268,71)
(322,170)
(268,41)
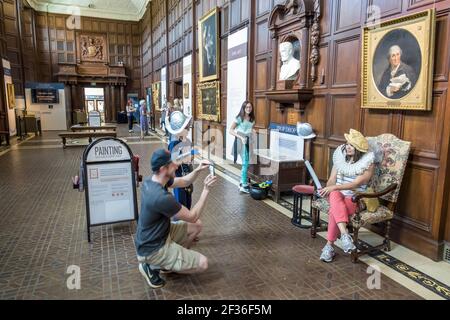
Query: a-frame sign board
(110,183)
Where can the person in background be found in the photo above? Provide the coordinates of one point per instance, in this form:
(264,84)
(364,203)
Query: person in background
(143,118)
(242,129)
(178,128)
(163,114)
(130,113)
(177,105)
(353,167)
(169,111)
(163,245)
(180,100)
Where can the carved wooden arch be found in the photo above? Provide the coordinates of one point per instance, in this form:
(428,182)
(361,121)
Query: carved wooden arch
(298,8)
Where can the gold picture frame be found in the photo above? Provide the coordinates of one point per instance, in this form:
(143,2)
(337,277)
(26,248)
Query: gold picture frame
(397,63)
(209,46)
(11,95)
(208,101)
(156,96)
(186,90)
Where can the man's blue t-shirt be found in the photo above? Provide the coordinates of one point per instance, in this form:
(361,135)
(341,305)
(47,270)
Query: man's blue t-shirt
(157,207)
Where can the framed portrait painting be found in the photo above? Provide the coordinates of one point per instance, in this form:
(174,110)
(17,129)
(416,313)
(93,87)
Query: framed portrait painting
(186,90)
(397,63)
(208,43)
(149,98)
(11,96)
(208,105)
(156,95)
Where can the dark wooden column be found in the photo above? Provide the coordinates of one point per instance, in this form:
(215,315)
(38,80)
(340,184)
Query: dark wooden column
(122,98)
(303,81)
(108,105)
(113,103)
(73,97)
(274,62)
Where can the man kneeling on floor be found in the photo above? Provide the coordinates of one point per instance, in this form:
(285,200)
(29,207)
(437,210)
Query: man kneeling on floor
(162,244)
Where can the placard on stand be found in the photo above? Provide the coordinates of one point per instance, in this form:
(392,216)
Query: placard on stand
(110,183)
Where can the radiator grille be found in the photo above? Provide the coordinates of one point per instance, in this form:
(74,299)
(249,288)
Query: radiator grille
(447,252)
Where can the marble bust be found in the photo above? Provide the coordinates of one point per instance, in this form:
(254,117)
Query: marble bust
(290,66)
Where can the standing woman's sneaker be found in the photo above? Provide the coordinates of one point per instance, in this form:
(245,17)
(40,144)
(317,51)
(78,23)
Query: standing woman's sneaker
(244,189)
(347,243)
(152,276)
(328,253)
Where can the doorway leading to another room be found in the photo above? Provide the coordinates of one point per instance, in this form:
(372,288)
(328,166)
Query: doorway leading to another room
(94,100)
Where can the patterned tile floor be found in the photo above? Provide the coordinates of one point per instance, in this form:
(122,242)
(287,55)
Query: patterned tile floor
(254,252)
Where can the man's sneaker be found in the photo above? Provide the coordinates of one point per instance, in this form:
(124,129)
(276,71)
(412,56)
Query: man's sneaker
(347,243)
(130,131)
(152,276)
(328,253)
(244,189)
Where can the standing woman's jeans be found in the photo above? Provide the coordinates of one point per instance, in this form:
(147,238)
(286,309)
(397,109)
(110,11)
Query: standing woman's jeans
(245,163)
(130,122)
(144,124)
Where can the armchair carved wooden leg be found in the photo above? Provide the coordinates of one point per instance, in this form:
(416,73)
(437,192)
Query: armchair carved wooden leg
(387,239)
(314,222)
(354,254)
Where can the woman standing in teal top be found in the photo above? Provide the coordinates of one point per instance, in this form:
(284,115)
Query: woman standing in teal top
(242,129)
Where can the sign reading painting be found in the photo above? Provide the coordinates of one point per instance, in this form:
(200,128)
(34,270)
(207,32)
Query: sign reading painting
(208,36)
(208,106)
(398,63)
(92,48)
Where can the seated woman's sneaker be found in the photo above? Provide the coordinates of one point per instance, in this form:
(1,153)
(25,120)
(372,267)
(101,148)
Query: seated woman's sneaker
(328,253)
(347,243)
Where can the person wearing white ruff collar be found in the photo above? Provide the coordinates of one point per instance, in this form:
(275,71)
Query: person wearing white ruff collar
(178,126)
(353,167)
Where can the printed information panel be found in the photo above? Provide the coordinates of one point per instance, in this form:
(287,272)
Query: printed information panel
(111,184)
(110,192)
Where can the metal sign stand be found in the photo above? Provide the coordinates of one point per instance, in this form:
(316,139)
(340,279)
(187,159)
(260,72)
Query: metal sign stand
(109,183)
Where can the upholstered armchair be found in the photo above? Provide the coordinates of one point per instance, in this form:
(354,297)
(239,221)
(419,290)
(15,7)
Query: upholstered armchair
(391,156)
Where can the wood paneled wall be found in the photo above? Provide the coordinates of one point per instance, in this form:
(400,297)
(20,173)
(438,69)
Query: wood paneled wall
(421,213)
(56,42)
(422,219)
(4,126)
(38,41)
(15,48)
(168,32)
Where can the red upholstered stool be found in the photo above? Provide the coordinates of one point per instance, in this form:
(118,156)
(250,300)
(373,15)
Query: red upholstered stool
(301,191)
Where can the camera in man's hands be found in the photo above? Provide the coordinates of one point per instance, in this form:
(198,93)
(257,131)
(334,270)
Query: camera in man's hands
(212,171)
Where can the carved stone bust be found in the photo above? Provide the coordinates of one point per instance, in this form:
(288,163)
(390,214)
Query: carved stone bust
(290,65)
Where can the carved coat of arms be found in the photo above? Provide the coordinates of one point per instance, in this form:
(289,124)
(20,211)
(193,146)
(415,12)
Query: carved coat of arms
(92,48)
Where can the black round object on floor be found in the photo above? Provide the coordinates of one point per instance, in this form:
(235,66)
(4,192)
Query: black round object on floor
(258,193)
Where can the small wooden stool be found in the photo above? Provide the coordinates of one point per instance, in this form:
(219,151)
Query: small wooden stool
(301,191)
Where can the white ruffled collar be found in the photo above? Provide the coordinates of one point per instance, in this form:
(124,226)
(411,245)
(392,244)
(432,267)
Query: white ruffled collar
(352,169)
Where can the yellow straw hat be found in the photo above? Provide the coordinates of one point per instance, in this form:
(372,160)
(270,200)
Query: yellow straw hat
(357,140)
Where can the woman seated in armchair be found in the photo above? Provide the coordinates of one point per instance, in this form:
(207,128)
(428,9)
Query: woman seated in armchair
(353,167)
